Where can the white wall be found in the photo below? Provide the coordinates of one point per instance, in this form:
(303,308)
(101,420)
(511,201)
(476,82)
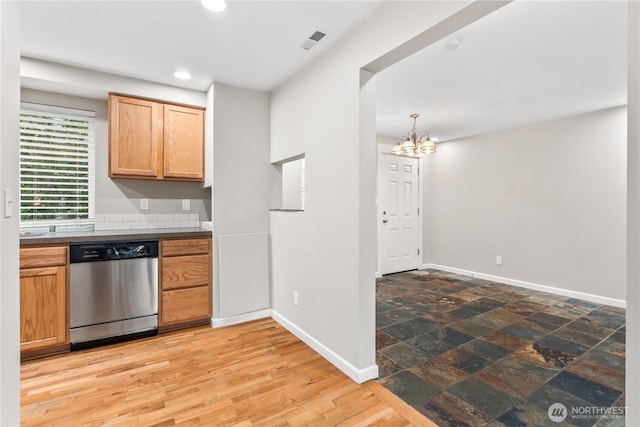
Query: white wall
(384,140)
(243,177)
(328,252)
(9,280)
(632,383)
(58,78)
(549,198)
(292,184)
(367,235)
(208,139)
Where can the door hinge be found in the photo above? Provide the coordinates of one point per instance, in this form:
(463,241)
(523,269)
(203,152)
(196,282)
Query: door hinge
(418,251)
(418,211)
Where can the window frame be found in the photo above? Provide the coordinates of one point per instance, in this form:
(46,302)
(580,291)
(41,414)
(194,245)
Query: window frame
(75,113)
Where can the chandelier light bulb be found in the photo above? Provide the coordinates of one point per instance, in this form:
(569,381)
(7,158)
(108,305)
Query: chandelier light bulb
(414,146)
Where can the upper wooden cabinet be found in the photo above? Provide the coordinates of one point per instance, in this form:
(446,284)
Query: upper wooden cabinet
(155,140)
(135,137)
(183,143)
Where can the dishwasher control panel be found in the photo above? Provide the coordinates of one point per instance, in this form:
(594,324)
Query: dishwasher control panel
(107,251)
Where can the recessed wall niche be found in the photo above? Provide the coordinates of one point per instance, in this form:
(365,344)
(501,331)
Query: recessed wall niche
(291,192)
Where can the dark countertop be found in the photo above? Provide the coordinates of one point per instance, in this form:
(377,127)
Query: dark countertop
(97,236)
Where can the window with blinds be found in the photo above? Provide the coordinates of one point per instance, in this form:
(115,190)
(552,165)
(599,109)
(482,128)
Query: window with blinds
(57,163)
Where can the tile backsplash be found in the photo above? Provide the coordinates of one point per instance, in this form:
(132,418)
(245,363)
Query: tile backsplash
(145,221)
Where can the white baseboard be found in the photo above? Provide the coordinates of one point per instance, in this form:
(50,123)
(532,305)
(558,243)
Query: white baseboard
(598,299)
(241,318)
(357,375)
(378,275)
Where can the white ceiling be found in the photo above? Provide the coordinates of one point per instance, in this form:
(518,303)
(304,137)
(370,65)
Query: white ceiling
(252,44)
(527,62)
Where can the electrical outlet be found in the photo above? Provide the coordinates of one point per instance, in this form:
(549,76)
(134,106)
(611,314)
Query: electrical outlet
(144,204)
(186,204)
(296,299)
(498,260)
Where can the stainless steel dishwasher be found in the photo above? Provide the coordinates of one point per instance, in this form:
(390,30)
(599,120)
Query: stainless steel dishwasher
(113,292)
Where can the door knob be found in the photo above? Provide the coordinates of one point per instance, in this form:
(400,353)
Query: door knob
(384,221)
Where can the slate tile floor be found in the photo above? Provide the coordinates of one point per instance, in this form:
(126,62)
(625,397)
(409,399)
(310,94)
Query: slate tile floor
(470,352)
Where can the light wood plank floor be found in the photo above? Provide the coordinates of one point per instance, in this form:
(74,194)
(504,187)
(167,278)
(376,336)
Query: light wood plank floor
(251,374)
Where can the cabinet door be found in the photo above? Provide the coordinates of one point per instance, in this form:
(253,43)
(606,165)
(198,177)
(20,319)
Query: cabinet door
(183,143)
(184,305)
(42,307)
(135,137)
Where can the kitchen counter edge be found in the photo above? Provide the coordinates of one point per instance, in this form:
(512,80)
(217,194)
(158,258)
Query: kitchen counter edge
(110,235)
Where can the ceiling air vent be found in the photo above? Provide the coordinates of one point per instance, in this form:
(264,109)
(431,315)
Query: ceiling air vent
(312,40)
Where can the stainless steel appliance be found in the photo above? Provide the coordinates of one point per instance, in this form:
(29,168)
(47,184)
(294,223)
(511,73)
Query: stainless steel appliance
(113,291)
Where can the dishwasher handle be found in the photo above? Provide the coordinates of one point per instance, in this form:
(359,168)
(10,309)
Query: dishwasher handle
(90,254)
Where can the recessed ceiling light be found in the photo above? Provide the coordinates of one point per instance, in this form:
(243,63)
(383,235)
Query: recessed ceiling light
(214,5)
(434,139)
(182,75)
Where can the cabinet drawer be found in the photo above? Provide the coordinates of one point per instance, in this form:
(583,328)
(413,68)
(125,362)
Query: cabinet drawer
(183,305)
(185,247)
(43,257)
(185,271)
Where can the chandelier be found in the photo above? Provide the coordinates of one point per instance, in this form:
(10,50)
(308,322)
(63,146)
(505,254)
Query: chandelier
(412,145)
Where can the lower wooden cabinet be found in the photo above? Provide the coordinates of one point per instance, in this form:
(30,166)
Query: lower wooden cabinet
(185,292)
(185,305)
(185,282)
(43,300)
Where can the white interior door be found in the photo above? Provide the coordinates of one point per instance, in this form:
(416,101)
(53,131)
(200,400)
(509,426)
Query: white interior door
(398,213)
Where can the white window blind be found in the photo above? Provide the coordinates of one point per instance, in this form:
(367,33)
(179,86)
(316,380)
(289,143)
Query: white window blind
(57,164)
